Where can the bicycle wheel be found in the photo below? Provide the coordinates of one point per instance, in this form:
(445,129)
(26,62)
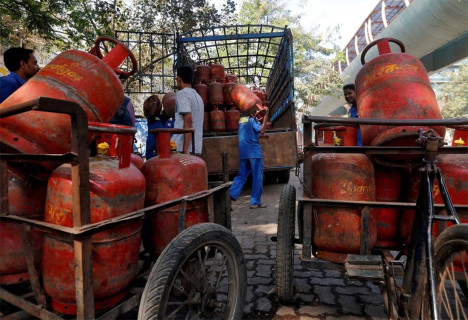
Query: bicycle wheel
(285,244)
(200,275)
(451,267)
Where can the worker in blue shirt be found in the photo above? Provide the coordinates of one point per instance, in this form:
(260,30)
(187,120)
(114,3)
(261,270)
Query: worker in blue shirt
(155,119)
(22,65)
(350,96)
(250,159)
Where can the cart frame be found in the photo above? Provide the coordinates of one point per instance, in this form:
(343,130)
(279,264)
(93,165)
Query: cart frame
(217,198)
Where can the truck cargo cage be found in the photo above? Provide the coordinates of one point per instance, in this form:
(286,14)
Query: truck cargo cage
(259,55)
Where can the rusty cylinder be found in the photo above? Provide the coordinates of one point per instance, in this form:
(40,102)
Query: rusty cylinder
(215,93)
(232,120)
(202,90)
(217,72)
(394,86)
(337,230)
(217,120)
(202,74)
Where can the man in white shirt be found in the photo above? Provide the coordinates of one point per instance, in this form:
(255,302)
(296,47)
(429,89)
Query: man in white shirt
(189,112)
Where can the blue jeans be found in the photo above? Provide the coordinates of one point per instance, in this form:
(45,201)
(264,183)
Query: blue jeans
(247,166)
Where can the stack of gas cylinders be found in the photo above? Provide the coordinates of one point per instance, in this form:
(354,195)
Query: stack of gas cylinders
(224,99)
(117,185)
(390,86)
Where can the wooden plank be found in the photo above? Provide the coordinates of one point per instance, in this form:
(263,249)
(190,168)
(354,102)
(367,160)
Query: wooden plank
(210,208)
(30,308)
(33,276)
(122,308)
(84,279)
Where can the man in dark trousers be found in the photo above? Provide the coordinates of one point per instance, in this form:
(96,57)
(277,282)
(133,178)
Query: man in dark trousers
(250,159)
(350,96)
(22,65)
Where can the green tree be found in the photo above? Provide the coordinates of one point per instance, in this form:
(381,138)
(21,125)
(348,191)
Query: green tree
(453,97)
(314,75)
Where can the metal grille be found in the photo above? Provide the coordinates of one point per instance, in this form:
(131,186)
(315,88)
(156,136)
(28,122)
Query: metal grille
(247,51)
(155,53)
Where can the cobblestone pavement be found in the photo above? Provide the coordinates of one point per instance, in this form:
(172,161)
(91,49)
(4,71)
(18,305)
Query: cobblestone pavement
(322,290)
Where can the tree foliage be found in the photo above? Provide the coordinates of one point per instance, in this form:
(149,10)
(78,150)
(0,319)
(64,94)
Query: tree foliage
(314,75)
(453,97)
(77,23)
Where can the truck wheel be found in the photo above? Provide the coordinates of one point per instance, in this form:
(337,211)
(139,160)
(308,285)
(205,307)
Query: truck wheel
(285,244)
(200,274)
(283,176)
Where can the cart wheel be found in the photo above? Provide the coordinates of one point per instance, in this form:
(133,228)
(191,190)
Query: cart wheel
(283,176)
(200,274)
(285,244)
(451,267)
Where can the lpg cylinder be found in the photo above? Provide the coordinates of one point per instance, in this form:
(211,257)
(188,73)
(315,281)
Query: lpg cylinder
(26,198)
(202,73)
(230,78)
(394,86)
(72,75)
(337,230)
(215,93)
(217,72)
(202,90)
(232,119)
(388,184)
(206,121)
(227,93)
(114,191)
(170,176)
(137,161)
(169,102)
(217,120)
(454,170)
(246,101)
(347,135)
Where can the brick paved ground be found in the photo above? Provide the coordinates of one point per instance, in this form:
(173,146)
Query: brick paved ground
(322,290)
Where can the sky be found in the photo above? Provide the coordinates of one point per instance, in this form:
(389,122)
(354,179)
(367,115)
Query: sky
(349,14)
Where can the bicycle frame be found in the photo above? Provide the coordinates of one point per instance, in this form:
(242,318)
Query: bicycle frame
(420,262)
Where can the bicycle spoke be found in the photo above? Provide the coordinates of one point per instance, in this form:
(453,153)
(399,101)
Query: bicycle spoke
(222,272)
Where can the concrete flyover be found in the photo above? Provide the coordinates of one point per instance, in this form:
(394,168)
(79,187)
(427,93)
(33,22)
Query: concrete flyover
(434,31)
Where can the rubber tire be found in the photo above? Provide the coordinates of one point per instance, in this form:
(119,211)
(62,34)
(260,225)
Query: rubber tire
(159,283)
(283,176)
(285,244)
(452,239)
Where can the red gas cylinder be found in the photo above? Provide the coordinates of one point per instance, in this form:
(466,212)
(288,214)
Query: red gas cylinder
(232,120)
(170,176)
(215,93)
(26,198)
(202,73)
(337,135)
(206,121)
(394,86)
(246,101)
(388,184)
(262,95)
(454,168)
(202,90)
(137,161)
(169,102)
(72,75)
(231,78)
(337,230)
(217,120)
(114,190)
(217,72)
(227,93)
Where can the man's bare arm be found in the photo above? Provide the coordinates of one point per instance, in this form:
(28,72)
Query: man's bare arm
(187,136)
